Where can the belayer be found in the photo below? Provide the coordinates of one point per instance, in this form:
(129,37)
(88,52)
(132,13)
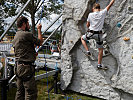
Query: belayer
(94,24)
(25,55)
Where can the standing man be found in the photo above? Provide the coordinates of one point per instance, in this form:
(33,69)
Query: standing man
(95,23)
(25,55)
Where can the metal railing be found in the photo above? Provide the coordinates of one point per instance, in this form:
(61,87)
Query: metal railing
(5,46)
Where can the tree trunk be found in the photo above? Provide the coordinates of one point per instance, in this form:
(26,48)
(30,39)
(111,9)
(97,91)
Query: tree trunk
(33,23)
(33,18)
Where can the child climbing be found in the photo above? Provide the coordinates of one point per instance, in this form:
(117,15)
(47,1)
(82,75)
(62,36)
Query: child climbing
(94,24)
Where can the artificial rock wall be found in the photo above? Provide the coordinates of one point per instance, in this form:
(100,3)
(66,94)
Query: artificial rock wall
(79,73)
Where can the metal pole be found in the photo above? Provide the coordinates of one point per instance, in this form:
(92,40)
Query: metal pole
(11,79)
(15,20)
(5,64)
(39,6)
(48,38)
(5,67)
(52,23)
(37,21)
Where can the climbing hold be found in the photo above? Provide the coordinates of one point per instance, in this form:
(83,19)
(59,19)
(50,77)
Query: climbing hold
(118,24)
(129,7)
(106,52)
(81,76)
(126,38)
(71,41)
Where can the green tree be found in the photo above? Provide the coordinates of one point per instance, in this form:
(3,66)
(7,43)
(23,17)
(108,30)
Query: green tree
(10,8)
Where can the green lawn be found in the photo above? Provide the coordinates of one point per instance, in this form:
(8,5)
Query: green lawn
(43,94)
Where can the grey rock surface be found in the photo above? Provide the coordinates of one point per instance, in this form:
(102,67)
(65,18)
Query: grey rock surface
(79,73)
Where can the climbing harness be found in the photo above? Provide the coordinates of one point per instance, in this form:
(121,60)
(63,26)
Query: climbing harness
(90,35)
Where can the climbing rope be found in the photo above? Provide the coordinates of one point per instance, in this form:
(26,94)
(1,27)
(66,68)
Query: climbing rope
(44,53)
(96,1)
(46,74)
(42,11)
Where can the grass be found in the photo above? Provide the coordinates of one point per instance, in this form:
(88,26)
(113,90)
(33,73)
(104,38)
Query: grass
(43,94)
(69,95)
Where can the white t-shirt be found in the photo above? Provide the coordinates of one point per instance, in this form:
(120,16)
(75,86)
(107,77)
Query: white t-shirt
(96,20)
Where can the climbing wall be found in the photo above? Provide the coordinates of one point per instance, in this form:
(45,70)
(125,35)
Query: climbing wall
(79,73)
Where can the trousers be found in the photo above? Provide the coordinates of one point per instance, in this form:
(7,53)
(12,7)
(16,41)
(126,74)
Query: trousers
(26,85)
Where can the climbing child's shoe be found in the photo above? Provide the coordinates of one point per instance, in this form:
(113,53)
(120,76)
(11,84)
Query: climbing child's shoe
(99,66)
(88,53)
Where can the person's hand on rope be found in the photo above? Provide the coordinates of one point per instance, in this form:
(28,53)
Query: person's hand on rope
(39,26)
